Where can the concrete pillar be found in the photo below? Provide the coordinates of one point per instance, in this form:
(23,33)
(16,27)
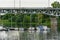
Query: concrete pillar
(53,24)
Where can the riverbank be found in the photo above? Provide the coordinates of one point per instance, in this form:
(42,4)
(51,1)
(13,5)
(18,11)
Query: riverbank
(26,20)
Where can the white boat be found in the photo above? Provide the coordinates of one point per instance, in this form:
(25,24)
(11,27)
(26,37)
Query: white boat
(31,29)
(43,29)
(38,29)
(21,29)
(1,28)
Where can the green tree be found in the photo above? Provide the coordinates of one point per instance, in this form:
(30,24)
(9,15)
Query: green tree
(55,4)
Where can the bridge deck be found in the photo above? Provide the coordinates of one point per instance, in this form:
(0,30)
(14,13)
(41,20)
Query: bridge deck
(47,11)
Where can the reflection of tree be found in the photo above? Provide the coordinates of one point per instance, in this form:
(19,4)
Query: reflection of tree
(31,36)
(24,36)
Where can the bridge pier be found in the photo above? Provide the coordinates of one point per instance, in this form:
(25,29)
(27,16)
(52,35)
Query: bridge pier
(54,32)
(53,24)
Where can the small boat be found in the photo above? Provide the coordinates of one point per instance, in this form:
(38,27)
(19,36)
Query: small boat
(2,28)
(31,29)
(43,29)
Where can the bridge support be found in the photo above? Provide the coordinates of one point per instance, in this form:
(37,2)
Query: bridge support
(53,24)
(54,33)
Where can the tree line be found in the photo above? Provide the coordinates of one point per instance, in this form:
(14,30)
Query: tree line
(24,20)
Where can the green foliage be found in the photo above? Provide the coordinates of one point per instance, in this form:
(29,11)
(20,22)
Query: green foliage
(55,4)
(25,20)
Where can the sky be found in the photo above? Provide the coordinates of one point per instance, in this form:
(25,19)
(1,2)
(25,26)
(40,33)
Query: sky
(26,3)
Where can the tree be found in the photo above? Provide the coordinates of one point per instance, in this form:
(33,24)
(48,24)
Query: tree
(55,4)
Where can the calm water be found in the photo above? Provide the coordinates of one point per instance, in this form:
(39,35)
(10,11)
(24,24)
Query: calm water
(26,35)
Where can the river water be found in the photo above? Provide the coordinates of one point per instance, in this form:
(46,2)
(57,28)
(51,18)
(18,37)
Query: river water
(27,35)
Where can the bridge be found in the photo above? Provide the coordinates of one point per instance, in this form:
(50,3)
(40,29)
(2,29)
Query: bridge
(47,11)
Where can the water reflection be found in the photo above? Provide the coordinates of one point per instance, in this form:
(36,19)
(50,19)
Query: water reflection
(26,35)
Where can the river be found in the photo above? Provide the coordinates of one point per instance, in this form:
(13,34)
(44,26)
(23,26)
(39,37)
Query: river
(26,35)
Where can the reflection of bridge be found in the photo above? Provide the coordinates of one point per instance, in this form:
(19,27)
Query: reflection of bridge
(47,11)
